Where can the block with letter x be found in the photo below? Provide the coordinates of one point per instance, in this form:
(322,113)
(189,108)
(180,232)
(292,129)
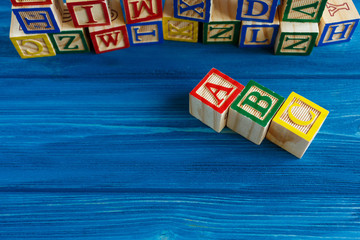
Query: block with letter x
(302,10)
(142,10)
(21,3)
(257,10)
(211,98)
(296,124)
(194,10)
(251,113)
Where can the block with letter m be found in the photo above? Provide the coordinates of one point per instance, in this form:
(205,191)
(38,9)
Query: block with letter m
(142,10)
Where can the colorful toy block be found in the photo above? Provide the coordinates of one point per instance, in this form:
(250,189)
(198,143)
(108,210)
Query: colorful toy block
(89,13)
(258,34)
(302,10)
(142,10)
(211,98)
(338,22)
(296,38)
(251,113)
(113,37)
(257,10)
(178,29)
(296,124)
(145,33)
(22,3)
(194,10)
(223,26)
(30,45)
(40,19)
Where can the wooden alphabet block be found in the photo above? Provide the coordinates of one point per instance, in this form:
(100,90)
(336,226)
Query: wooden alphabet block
(40,19)
(296,38)
(338,22)
(137,11)
(30,45)
(257,10)
(258,34)
(251,113)
(211,98)
(178,29)
(89,13)
(296,124)
(145,33)
(22,3)
(223,26)
(194,10)
(113,37)
(302,10)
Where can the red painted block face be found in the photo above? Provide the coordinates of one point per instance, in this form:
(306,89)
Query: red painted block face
(142,10)
(110,39)
(19,3)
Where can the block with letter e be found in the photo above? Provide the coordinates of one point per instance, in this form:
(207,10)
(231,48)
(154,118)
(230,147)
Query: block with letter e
(142,10)
(194,10)
(211,98)
(145,33)
(21,3)
(302,10)
(257,10)
(251,113)
(296,124)
(338,22)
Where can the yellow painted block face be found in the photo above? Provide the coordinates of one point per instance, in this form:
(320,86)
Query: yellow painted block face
(301,116)
(180,30)
(33,46)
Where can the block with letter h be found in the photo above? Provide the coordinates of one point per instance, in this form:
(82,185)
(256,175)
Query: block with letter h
(142,10)
(194,10)
(145,33)
(251,113)
(211,98)
(296,124)
(257,10)
(338,22)
(302,11)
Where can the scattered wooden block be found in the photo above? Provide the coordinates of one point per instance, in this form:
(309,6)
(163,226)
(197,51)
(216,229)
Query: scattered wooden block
(251,113)
(137,11)
(145,33)
(296,124)
(302,11)
(296,38)
(21,3)
(40,19)
(259,34)
(178,29)
(338,22)
(257,10)
(211,98)
(223,26)
(113,37)
(194,10)
(89,13)
(30,45)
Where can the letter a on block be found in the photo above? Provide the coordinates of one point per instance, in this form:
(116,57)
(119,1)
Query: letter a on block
(211,98)
(296,124)
(142,10)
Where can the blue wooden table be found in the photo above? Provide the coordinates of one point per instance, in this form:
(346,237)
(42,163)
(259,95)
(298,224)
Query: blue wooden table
(103,147)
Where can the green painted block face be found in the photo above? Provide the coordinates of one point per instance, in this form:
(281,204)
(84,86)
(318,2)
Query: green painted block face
(258,103)
(304,11)
(69,42)
(296,43)
(221,32)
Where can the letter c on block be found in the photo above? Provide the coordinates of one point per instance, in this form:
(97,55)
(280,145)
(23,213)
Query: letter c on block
(38,44)
(298,121)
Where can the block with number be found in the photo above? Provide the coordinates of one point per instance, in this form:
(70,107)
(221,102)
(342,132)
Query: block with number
(338,22)
(302,10)
(194,10)
(89,13)
(176,29)
(257,10)
(30,45)
(251,113)
(145,33)
(21,3)
(296,124)
(113,37)
(223,26)
(40,19)
(142,10)
(296,38)
(211,98)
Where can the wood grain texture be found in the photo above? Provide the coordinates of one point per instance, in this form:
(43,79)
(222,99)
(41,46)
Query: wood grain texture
(103,147)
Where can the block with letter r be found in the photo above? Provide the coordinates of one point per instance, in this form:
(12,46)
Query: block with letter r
(22,3)
(145,33)
(195,10)
(338,22)
(251,113)
(137,11)
(302,11)
(221,32)
(257,10)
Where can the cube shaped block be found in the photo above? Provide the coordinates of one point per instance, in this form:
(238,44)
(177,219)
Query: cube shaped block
(137,11)
(302,10)
(145,33)
(21,3)
(257,10)
(194,10)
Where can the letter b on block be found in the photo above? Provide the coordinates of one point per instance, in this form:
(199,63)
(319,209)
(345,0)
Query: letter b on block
(257,10)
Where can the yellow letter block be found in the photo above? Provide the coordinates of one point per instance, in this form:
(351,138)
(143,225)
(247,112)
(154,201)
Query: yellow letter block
(296,124)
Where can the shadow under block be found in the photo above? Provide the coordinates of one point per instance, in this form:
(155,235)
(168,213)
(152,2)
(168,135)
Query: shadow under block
(30,45)
(211,98)
(40,19)
(302,10)
(223,26)
(21,3)
(142,10)
(89,13)
(296,124)
(145,33)
(178,29)
(338,22)
(112,37)
(194,10)
(251,113)
(296,38)
(257,10)
(258,34)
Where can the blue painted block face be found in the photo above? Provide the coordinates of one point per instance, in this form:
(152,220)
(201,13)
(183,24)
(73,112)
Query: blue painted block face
(257,10)
(145,33)
(337,32)
(195,10)
(258,35)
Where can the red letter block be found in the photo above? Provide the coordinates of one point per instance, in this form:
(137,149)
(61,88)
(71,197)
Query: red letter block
(21,3)
(142,10)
